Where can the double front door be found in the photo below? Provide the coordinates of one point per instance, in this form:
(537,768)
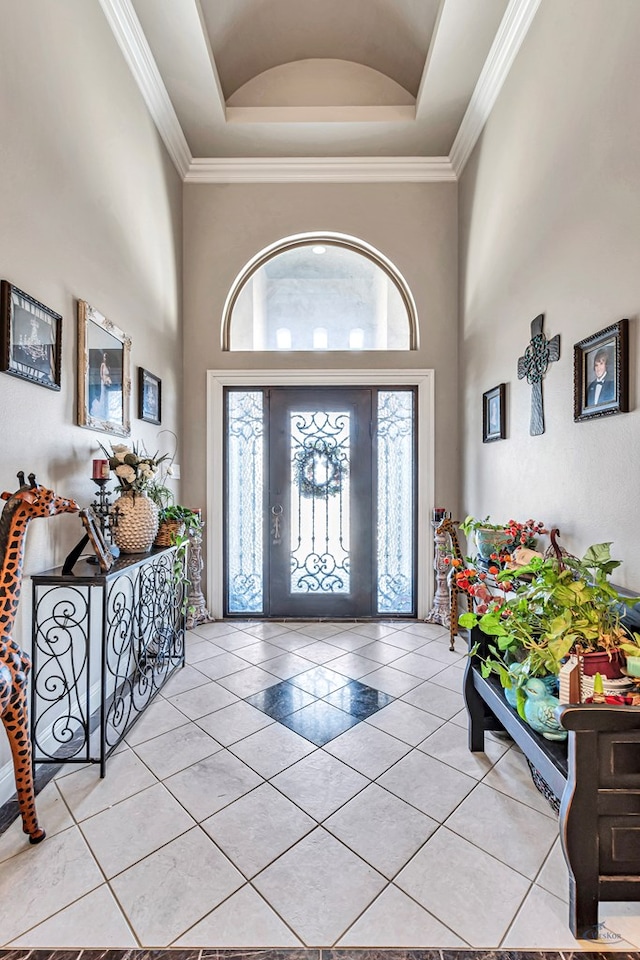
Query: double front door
(320,502)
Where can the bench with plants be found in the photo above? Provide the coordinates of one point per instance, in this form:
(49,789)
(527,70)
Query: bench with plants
(584,755)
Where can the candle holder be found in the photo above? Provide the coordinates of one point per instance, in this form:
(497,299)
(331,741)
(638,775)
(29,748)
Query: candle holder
(441,610)
(196,605)
(106,513)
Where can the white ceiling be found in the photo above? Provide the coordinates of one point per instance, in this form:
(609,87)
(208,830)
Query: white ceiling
(319,89)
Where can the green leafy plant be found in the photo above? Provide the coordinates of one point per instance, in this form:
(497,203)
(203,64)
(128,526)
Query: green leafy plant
(179,514)
(566,606)
(160,494)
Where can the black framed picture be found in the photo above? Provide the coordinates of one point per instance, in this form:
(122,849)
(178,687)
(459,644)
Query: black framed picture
(31,338)
(601,373)
(493,414)
(149,396)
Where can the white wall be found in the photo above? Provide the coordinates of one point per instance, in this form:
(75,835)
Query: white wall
(413,225)
(550,223)
(90,208)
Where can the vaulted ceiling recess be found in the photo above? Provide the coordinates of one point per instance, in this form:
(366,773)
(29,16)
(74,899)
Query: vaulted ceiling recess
(339,90)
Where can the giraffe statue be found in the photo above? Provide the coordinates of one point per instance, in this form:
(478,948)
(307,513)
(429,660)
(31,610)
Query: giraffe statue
(29,501)
(448,526)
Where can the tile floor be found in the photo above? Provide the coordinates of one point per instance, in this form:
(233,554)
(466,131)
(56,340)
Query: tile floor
(349,814)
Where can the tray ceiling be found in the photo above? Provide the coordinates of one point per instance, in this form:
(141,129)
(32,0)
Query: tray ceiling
(339,86)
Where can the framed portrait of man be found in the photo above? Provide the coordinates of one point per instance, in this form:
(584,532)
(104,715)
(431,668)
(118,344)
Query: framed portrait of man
(600,373)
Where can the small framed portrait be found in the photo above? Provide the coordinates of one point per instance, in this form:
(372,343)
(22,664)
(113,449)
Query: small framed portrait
(30,338)
(104,373)
(601,373)
(149,396)
(96,539)
(493,414)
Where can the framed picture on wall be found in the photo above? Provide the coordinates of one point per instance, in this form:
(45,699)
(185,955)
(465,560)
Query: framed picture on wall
(601,373)
(104,373)
(149,396)
(493,414)
(30,340)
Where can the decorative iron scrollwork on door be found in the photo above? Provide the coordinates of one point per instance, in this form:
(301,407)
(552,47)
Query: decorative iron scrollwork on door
(320,452)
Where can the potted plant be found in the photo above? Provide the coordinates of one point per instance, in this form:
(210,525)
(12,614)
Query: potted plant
(489,537)
(175,521)
(496,538)
(555,607)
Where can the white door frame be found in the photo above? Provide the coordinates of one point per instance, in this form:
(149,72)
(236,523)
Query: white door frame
(217,380)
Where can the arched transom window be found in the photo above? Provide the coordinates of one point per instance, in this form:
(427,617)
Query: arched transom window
(319,292)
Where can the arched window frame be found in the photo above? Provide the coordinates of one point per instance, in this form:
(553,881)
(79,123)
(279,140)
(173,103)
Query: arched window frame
(310,240)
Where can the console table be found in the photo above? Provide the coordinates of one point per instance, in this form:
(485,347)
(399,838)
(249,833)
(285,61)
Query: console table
(104,644)
(596,777)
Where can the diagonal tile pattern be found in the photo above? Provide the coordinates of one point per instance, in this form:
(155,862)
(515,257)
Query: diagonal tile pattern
(299,784)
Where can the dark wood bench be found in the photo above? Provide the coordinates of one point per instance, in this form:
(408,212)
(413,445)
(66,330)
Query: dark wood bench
(595,775)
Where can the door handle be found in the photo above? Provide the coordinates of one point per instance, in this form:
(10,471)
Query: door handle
(276,526)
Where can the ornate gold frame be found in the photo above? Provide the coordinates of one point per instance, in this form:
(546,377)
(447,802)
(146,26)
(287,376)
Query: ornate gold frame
(96,405)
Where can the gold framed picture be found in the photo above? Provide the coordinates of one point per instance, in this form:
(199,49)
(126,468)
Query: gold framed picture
(104,373)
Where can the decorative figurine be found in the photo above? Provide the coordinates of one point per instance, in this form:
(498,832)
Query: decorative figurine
(540,710)
(445,602)
(29,501)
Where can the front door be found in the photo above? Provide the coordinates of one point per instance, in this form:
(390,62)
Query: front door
(321,520)
(320,502)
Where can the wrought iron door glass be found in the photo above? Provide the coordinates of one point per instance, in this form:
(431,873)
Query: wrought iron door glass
(396,431)
(319,542)
(329,530)
(245,479)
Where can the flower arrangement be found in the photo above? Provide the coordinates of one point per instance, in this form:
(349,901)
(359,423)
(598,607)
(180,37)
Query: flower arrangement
(523,534)
(135,469)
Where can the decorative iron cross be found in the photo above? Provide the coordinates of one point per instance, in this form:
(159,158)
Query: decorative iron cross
(533,365)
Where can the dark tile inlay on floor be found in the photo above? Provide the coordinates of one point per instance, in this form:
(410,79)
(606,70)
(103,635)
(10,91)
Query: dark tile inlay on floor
(358,699)
(319,722)
(319,704)
(280,700)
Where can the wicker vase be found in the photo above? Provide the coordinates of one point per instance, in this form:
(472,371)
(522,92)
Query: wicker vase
(137,522)
(168,533)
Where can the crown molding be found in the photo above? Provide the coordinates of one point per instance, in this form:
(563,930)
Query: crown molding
(508,40)
(320,170)
(129,35)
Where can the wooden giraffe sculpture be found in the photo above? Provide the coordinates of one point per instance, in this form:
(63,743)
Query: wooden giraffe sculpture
(29,501)
(448,526)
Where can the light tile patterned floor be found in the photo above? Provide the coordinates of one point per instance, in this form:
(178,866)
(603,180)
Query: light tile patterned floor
(218,826)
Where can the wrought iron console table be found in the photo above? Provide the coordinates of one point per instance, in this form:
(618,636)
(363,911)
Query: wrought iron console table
(104,644)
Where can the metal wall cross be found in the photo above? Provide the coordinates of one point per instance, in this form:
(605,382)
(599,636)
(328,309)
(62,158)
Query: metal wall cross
(533,365)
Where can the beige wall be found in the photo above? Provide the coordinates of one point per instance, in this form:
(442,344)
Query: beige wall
(91,208)
(413,225)
(550,223)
